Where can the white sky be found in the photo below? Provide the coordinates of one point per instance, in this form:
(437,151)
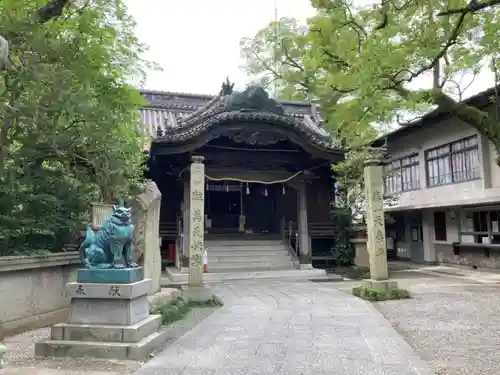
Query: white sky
(196,42)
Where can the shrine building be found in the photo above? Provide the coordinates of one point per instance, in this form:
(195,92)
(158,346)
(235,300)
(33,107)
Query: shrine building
(267,175)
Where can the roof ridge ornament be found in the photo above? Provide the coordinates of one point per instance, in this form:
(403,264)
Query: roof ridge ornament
(253,99)
(227,88)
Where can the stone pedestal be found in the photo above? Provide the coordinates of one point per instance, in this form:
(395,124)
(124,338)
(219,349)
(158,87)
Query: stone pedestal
(380,286)
(109,318)
(100,213)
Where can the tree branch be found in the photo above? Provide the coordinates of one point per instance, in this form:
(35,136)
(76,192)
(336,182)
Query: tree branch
(472,7)
(289,58)
(53,9)
(450,42)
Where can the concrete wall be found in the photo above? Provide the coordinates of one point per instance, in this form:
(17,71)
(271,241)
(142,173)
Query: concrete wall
(443,251)
(32,290)
(486,189)
(359,240)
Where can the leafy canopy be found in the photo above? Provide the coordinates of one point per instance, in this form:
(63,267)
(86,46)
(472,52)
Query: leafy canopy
(70,130)
(370,63)
(361,60)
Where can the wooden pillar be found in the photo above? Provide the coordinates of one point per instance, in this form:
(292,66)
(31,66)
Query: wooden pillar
(196,221)
(304,243)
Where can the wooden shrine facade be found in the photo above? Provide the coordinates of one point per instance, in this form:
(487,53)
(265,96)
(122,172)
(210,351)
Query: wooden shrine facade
(267,164)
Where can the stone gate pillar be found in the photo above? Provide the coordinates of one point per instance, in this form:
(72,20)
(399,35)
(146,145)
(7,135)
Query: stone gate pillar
(196,221)
(375,221)
(305,259)
(185,227)
(146,219)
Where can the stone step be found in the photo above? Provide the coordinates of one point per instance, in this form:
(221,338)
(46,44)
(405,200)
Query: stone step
(173,276)
(242,243)
(106,333)
(254,253)
(245,248)
(248,258)
(96,349)
(248,266)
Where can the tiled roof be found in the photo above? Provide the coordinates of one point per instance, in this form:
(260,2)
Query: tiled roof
(480,100)
(166,110)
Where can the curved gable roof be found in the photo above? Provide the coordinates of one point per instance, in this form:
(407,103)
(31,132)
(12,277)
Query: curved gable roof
(172,112)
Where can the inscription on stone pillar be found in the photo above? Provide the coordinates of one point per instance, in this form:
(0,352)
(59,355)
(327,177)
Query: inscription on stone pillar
(375,222)
(196,216)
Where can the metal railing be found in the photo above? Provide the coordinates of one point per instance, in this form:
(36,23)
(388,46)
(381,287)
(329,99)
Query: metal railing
(290,238)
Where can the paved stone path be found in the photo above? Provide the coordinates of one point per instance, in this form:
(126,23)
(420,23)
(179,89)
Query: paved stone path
(297,327)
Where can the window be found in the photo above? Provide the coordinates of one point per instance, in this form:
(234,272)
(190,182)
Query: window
(480,226)
(440,226)
(452,163)
(402,175)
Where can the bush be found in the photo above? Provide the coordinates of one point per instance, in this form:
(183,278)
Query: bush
(343,250)
(178,308)
(373,295)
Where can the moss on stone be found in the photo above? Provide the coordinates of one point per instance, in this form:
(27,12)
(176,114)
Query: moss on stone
(178,308)
(373,295)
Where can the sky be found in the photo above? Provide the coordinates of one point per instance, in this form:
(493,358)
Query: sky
(196,42)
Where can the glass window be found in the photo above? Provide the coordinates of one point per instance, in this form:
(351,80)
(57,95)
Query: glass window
(402,175)
(454,162)
(480,226)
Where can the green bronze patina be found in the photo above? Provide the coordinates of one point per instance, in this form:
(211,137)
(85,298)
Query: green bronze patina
(105,247)
(254,98)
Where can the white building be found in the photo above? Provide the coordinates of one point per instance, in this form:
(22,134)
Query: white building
(448,184)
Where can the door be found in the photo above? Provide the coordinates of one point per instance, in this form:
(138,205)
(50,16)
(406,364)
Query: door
(416,237)
(223,209)
(260,210)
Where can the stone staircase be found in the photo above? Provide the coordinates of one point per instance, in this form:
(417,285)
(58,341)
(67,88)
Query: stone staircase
(247,254)
(242,258)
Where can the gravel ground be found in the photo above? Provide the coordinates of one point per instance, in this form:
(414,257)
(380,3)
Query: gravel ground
(20,361)
(452,323)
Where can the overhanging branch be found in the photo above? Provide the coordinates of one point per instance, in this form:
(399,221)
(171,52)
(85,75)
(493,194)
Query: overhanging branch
(53,9)
(472,7)
(450,42)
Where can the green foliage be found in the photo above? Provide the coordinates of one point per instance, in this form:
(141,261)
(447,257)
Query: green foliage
(343,249)
(372,295)
(172,311)
(360,61)
(70,131)
(209,302)
(179,308)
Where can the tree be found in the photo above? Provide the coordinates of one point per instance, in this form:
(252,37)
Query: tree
(281,57)
(71,130)
(400,41)
(372,54)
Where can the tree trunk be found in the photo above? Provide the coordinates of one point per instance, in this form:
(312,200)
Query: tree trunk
(480,120)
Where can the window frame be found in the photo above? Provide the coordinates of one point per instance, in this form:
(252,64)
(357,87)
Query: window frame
(450,152)
(400,168)
(489,232)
